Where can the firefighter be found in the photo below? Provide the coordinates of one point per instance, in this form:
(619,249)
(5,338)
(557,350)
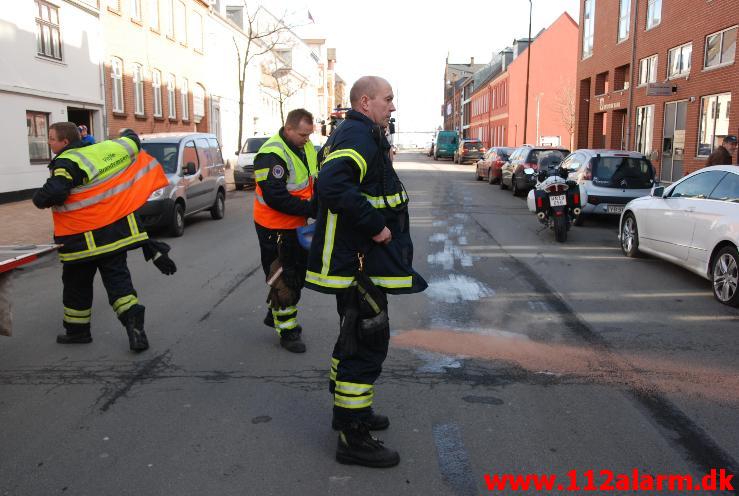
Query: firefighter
(93,192)
(284,168)
(362,239)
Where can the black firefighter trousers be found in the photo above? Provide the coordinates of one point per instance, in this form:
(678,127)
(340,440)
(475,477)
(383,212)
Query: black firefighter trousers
(352,378)
(78,290)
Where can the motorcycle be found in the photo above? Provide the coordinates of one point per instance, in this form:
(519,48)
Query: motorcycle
(554,199)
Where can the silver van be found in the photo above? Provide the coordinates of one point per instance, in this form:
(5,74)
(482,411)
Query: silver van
(194,165)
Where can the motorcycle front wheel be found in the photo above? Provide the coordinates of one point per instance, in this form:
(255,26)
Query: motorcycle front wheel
(560,228)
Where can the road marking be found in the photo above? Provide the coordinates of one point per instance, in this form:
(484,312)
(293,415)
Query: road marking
(454,463)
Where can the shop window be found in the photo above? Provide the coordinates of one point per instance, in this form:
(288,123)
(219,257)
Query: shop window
(720,48)
(714,123)
(38,137)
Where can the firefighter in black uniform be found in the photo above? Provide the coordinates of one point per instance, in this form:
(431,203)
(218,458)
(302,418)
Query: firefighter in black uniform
(93,192)
(362,228)
(285,168)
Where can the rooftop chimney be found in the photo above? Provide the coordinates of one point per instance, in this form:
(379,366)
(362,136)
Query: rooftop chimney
(472,61)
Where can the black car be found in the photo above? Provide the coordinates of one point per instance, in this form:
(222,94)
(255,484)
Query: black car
(525,157)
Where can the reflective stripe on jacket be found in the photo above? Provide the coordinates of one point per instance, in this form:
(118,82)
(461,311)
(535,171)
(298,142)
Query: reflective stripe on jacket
(299,178)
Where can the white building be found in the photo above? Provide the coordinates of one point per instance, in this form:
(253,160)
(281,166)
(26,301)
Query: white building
(51,59)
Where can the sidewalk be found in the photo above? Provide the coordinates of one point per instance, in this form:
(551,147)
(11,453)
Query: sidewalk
(22,223)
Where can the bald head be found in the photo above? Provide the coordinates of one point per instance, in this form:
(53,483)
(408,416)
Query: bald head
(373,97)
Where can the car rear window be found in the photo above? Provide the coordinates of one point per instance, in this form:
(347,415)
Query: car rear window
(536,155)
(473,146)
(623,172)
(165,153)
(445,139)
(253,145)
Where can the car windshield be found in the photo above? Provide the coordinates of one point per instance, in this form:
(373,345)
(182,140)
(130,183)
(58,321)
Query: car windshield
(475,145)
(504,153)
(625,172)
(165,153)
(537,155)
(445,139)
(253,145)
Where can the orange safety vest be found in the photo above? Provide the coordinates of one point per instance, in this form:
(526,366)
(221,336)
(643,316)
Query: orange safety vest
(98,204)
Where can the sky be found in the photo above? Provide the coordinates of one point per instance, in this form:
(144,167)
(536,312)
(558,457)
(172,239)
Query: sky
(407,41)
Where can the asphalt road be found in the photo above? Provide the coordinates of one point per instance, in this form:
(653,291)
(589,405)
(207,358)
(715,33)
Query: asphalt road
(523,356)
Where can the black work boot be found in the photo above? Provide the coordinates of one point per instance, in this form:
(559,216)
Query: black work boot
(269,320)
(74,338)
(133,319)
(290,340)
(374,422)
(357,447)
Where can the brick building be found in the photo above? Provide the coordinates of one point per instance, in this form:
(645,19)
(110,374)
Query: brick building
(495,107)
(155,65)
(454,76)
(658,77)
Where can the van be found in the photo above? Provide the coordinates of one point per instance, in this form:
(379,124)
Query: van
(446,144)
(244,170)
(194,166)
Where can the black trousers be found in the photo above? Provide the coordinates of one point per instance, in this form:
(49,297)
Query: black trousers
(78,289)
(285,319)
(352,378)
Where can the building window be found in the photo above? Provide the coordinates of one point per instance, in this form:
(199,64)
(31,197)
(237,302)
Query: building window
(644,127)
(154,14)
(156,87)
(48,37)
(138,89)
(135,8)
(167,17)
(654,13)
(116,77)
(720,48)
(648,70)
(198,103)
(185,107)
(588,28)
(38,139)
(196,31)
(179,19)
(678,61)
(171,105)
(624,15)
(714,124)
(601,83)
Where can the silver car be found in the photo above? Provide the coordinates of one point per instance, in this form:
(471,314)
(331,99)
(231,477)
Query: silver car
(194,165)
(608,179)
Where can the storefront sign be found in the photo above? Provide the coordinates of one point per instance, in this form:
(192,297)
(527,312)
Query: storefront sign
(603,106)
(660,89)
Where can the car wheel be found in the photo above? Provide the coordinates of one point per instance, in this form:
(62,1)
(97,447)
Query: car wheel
(514,187)
(725,276)
(579,219)
(218,210)
(629,235)
(490,177)
(502,183)
(177,225)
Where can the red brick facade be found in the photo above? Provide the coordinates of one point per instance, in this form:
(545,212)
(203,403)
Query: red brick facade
(138,40)
(498,106)
(609,93)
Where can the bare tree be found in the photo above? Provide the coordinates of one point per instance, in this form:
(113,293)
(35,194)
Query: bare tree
(564,104)
(285,84)
(262,34)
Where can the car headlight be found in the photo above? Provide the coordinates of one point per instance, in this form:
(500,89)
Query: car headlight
(157,194)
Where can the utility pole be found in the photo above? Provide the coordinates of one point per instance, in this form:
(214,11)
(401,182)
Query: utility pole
(528,65)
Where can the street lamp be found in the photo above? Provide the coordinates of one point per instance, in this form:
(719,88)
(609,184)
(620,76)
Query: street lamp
(528,64)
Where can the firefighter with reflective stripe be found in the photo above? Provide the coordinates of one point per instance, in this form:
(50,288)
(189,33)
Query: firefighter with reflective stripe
(362,218)
(93,192)
(284,168)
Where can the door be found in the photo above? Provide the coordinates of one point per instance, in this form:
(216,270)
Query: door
(673,141)
(195,189)
(670,223)
(711,217)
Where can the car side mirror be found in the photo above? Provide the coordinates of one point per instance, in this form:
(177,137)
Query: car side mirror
(189,169)
(658,191)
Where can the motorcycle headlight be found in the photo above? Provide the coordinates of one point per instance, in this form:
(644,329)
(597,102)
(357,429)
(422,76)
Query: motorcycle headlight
(157,194)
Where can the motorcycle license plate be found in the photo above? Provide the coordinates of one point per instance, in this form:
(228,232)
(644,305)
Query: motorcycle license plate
(614,209)
(558,201)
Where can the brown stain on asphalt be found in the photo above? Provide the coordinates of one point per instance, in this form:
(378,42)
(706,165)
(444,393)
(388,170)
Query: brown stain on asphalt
(581,364)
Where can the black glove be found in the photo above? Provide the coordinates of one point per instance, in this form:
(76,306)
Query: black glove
(292,277)
(165,264)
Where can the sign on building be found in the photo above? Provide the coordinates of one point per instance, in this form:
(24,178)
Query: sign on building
(660,89)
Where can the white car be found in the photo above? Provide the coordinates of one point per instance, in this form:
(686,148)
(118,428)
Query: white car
(608,179)
(694,223)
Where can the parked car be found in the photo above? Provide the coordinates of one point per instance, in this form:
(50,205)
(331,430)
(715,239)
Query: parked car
(194,165)
(693,223)
(488,167)
(244,170)
(525,157)
(608,179)
(446,144)
(429,150)
(469,150)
